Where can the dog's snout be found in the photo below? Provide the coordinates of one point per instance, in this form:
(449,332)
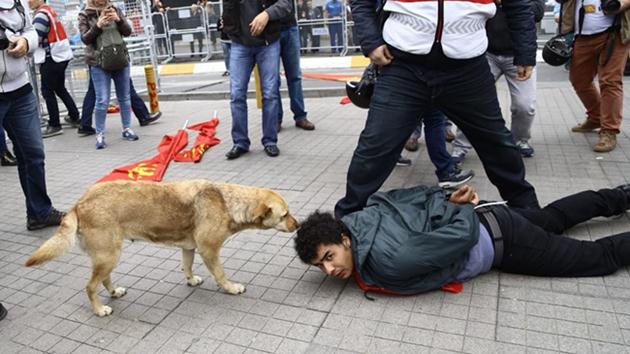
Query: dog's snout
(292,223)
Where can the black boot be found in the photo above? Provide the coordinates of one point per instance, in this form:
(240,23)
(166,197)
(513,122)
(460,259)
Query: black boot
(3,312)
(7,159)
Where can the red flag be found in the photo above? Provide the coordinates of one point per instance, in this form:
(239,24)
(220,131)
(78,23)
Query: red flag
(154,168)
(345,100)
(205,140)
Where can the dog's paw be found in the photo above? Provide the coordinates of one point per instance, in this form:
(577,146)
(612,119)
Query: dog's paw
(194,281)
(234,288)
(103,311)
(119,292)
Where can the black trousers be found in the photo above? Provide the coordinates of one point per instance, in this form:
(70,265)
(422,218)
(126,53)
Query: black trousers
(466,93)
(54,84)
(533,244)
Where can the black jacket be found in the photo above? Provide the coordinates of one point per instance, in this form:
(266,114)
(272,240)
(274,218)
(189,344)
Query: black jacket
(499,39)
(237,15)
(520,26)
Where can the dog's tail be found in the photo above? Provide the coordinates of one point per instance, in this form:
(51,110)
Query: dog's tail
(60,243)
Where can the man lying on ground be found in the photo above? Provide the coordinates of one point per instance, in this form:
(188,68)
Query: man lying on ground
(414,240)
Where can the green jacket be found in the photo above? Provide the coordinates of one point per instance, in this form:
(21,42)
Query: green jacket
(411,240)
(568,20)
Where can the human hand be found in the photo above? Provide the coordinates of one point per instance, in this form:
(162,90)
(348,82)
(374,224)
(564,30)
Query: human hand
(113,15)
(465,194)
(259,23)
(523,72)
(381,56)
(103,20)
(18,47)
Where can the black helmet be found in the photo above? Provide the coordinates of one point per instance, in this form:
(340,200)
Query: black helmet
(557,50)
(359,95)
(360,92)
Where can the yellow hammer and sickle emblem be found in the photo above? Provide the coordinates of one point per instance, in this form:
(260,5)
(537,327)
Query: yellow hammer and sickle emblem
(142,170)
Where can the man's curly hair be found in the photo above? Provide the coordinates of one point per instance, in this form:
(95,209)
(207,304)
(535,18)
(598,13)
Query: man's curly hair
(317,229)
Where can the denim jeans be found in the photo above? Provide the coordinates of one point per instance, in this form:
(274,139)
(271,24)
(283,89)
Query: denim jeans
(465,92)
(434,130)
(53,78)
(138,107)
(21,121)
(242,60)
(102,80)
(533,243)
(290,55)
(3,141)
(226,47)
(335,30)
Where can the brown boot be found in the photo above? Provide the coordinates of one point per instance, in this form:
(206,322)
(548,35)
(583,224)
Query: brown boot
(586,127)
(607,141)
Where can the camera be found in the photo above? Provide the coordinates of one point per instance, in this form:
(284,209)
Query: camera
(611,6)
(4,40)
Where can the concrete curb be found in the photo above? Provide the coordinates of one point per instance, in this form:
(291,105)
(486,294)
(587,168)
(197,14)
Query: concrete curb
(225,95)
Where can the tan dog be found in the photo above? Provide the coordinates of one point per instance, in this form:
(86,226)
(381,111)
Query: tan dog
(191,214)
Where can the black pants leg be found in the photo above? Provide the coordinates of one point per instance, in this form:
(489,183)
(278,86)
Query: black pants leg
(53,77)
(467,95)
(535,250)
(138,107)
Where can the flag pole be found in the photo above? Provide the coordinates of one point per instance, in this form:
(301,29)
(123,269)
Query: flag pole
(185,124)
(215,114)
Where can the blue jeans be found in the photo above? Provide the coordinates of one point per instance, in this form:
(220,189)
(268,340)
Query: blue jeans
(3,141)
(465,92)
(138,107)
(102,80)
(434,130)
(21,121)
(226,46)
(335,30)
(242,60)
(290,55)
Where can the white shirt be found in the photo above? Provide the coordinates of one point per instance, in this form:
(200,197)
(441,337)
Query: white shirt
(594,19)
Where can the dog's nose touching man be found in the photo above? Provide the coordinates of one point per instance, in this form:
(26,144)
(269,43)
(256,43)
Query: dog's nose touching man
(192,215)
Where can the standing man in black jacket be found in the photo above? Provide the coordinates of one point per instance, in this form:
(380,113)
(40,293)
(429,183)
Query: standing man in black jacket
(501,58)
(437,62)
(254,28)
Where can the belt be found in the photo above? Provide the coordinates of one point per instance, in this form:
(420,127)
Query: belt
(489,220)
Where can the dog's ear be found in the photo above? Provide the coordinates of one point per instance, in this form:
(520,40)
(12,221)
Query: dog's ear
(261,212)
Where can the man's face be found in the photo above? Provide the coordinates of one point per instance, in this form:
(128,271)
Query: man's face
(34,4)
(335,259)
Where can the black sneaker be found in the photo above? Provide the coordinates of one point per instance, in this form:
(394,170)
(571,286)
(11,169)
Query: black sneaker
(456,179)
(7,159)
(52,219)
(86,131)
(272,150)
(51,131)
(403,161)
(75,123)
(3,312)
(152,118)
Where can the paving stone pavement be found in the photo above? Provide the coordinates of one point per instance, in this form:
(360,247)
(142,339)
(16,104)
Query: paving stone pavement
(289,307)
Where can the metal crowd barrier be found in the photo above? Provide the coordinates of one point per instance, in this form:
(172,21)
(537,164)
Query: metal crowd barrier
(187,24)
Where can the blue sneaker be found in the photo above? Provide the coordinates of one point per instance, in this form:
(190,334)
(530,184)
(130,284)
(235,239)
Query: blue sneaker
(100,141)
(128,134)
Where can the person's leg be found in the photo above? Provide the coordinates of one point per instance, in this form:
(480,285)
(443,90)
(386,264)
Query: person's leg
(530,250)
(400,97)
(241,66)
(138,107)
(267,59)
(121,83)
(436,145)
(48,77)
(586,51)
(523,98)
(3,139)
(62,92)
(332,34)
(611,86)
(226,54)
(102,81)
(89,101)
(569,211)
(467,95)
(21,121)
(290,53)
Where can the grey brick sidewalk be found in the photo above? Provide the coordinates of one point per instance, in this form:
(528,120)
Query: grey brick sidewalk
(288,307)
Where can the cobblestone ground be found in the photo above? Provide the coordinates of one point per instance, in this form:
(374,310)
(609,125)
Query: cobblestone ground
(289,307)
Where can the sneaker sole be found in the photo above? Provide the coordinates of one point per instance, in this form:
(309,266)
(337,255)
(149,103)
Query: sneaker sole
(451,185)
(44,136)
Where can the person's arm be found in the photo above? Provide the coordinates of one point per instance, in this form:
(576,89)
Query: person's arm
(88,33)
(29,33)
(367,26)
(279,10)
(122,24)
(520,20)
(538,8)
(41,25)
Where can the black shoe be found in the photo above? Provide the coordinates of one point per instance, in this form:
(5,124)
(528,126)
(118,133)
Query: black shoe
(272,150)
(75,123)
(235,153)
(403,161)
(7,159)
(152,118)
(3,312)
(456,179)
(86,131)
(51,131)
(226,73)
(52,219)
